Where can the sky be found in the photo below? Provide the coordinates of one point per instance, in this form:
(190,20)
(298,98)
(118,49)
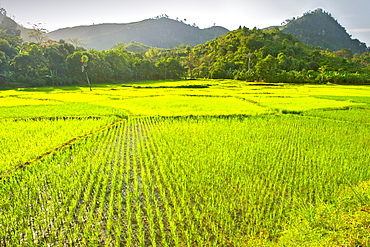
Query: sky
(55,14)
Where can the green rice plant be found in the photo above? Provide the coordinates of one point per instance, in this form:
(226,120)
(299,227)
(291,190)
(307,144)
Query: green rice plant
(167,99)
(185,105)
(298,103)
(59,110)
(336,90)
(65,97)
(241,180)
(184,181)
(357,115)
(311,191)
(23,140)
(16,101)
(353,98)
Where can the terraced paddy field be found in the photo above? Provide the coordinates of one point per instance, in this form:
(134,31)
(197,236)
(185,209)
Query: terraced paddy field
(185,163)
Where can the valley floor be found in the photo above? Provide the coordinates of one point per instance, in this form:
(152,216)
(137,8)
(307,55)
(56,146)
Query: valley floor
(185,163)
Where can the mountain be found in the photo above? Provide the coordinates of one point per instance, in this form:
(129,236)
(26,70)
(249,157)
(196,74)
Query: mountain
(161,33)
(319,28)
(315,28)
(9,22)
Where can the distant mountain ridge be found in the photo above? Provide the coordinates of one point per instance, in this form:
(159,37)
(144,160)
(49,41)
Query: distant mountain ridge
(161,33)
(319,28)
(315,28)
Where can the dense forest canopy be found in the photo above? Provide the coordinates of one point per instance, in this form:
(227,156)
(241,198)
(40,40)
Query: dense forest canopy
(243,54)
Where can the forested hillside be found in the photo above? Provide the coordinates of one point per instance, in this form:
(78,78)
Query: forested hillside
(162,33)
(319,28)
(244,54)
(272,55)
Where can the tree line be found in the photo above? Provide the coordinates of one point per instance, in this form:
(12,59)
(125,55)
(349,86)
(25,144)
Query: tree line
(243,54)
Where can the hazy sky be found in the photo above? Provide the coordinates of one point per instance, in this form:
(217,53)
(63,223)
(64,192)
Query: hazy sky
(53,14)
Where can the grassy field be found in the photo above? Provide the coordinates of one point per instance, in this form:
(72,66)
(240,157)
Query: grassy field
(185,163)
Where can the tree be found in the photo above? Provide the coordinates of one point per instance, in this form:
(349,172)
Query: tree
(37,32)
(4,68)
(170,68)
(322,71)
(30,65)
(153,54)
(143,69)
(7,48)
(266,68)
(84,60)
(188,60)
(56,60)
(3,11)
(118,60)
(344,53)
(284,62)
(76,42)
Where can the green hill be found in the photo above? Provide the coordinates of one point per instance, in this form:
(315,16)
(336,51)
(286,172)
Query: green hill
(161,33)
(274,56)
(319,28)
(133,46)
(8,22)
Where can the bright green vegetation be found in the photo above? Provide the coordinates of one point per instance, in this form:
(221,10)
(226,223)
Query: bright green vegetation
(65,109)
(186,163)
(179,98)
(24,139)
(185,105)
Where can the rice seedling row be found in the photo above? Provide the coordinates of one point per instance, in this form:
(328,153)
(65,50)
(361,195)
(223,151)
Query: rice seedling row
(23,140)
(183,181)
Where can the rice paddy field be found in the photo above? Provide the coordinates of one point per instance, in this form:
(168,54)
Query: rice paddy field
(185,163)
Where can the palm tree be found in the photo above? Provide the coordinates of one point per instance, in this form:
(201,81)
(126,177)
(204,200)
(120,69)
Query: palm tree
(84,60)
